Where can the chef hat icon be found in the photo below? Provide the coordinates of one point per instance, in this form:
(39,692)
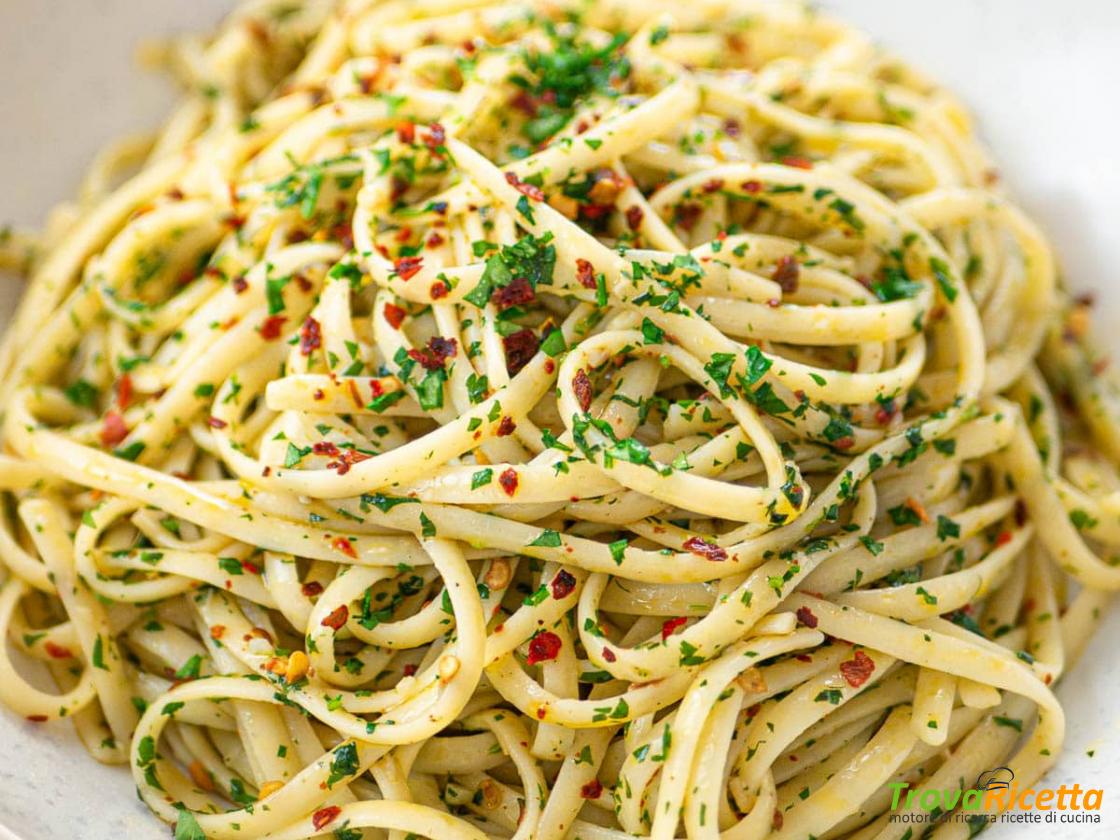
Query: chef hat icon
(998,779)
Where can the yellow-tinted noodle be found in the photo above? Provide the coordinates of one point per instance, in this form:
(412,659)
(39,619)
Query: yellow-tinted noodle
(549,420)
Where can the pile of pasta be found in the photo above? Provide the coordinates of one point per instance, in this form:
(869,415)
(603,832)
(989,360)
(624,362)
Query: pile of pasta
(550,420)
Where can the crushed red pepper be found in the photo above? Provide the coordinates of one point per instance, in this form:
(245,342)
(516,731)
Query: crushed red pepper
(544,647)
(337,618)
(581,387)
(705,549)
(563,584)
(858,669)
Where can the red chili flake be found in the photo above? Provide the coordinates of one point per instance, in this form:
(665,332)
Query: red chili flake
(594,211)
(58,651)
(406,131)
(634,216)
(581,385)
(884,414)
(525,103)
(346,460)
(251,568)
(336,619)
(438,290)
(777,820)
(394,315)
(686,215)
(443,347)
(324,447)
(549,366)
(608,655)
(752,187)
(435,137)
(803,657)
(519,291)
(310,336)
(585,274)
(528,190)
(345,546)
(37,718)
(506,426)
(732,128)
(124,391)
(563,584)
(217,631)
(240,284)
(544,647)
(344,234)
(410,670)
(406,267)
(712,185)
(303,283)
(113,429)
(318,395)
(216,423)
(508,481)
(846,442)
(797,161)
(520,348)
(591,790)
(311,589)
(434,241)
(705,549)
(325,816)
(806,617)
(786,274)
(270,329)
(438,351)
(670,626)
(857,669)
(1004,538)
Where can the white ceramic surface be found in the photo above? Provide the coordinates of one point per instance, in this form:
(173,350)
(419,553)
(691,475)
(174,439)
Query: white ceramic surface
(1040,75)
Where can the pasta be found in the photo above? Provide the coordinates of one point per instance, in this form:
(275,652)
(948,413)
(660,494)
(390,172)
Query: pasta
(550,420)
